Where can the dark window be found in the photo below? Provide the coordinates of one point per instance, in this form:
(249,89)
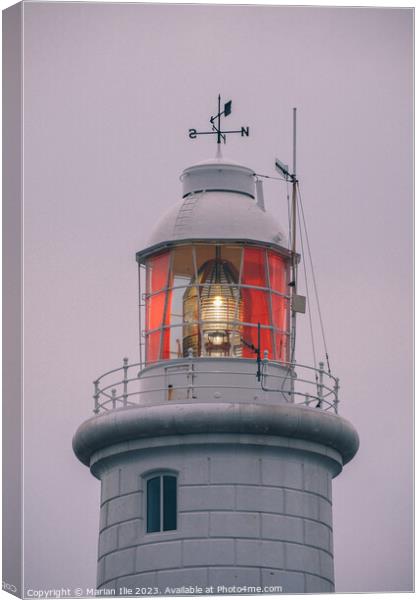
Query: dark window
(161,503)
(153,504)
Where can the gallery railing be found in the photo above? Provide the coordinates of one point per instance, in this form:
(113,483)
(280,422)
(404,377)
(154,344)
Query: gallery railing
(295,383)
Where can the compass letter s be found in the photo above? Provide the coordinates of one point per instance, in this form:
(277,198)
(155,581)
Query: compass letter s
(192,134)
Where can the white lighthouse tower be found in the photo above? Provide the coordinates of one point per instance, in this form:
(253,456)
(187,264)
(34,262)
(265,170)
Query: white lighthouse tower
(215,454)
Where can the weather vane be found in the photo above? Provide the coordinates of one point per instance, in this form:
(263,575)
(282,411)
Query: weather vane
(215,125)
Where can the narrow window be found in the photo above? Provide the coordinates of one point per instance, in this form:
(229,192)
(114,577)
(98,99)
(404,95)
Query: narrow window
(153,504)
(161,503)
(169,502)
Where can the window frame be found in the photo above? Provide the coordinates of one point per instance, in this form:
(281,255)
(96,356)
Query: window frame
(160,475)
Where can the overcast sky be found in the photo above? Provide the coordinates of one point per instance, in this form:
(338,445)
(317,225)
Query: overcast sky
(110,92)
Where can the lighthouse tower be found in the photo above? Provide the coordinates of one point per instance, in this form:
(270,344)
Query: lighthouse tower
(215,455)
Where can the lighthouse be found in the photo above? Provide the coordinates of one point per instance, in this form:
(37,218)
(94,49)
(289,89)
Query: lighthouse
(216,450)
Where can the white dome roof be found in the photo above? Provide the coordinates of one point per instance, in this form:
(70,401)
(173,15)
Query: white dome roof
(218,203)
(217,215)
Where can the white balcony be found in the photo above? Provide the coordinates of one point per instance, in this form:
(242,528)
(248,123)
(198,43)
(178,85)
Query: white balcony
(195,380)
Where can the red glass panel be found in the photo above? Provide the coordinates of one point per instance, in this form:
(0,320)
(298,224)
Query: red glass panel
(166,334)
(166,344)
(254,267)
(256,306)
(152,346)
(257,310)
(157,267)
(278,272)
(154,311)
(250,335)
(280,311)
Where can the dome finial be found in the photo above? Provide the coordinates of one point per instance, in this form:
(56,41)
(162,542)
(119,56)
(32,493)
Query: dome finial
(219,152)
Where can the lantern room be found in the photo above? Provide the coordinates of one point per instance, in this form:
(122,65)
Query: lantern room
(215,271)
(206,299)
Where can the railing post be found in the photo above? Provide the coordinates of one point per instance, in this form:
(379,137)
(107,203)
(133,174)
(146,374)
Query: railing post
(321,384)
(96,397)
(264,369)
(114,398)
(292,380)
(336,388)
(306,399)
(125,381)
(190,375)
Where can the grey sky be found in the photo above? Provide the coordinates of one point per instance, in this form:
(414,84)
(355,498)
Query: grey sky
(110,92)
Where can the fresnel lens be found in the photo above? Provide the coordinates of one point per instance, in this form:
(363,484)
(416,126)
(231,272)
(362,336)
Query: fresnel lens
(214,301)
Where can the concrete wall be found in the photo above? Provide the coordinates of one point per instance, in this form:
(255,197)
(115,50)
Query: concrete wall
(250,513)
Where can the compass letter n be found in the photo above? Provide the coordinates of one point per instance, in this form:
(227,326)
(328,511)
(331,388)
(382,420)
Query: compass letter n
(244,131)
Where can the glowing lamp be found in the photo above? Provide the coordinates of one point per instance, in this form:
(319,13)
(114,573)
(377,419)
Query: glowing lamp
(213,300)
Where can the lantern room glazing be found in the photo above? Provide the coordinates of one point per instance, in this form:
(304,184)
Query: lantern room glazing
(207,299)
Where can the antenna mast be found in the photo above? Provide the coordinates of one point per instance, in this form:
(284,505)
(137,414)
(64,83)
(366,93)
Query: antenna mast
(297,302)
(293,283)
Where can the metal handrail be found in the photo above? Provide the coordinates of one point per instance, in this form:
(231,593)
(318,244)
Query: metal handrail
(126,381)
(109,395)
